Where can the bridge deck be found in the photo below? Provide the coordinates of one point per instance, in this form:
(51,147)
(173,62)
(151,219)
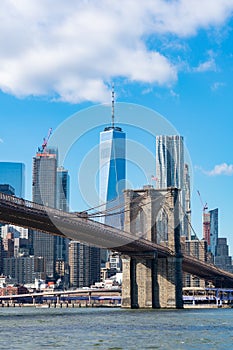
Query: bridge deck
(27,214)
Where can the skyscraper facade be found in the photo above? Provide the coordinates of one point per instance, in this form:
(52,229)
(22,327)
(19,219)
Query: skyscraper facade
(63,190)
(7,189)
(44,178)
(213,230)
(112,178)
(112,172)
(84,264)
(44,186)
(170,169)
(13,174)
(187,190)
(206,227)
(210,229)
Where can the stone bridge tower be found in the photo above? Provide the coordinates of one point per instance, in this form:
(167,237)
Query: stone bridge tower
(149,279)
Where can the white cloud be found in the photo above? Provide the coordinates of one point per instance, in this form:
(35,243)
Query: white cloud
(221,169)
(206,66)
(69,50)
(217,85)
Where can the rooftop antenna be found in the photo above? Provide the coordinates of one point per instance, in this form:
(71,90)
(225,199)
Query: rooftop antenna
(113,102)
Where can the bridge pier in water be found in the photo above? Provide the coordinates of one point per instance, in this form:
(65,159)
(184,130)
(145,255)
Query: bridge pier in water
(151,280)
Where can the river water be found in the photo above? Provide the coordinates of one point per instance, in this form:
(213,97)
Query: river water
(115,329)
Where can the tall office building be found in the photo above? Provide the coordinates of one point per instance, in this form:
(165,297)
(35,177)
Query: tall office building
(13,174)
(44,177)
(44,188)
(187,190)
(206,227)
(213,230)
(112,176)
(84,264)
(222,258)
(112,170)
(210,229)
(51,188)
(63,191)
(170,169)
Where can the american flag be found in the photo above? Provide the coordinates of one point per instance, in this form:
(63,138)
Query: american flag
(154,178)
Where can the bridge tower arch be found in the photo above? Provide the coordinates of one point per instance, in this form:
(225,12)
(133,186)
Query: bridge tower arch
(149,279)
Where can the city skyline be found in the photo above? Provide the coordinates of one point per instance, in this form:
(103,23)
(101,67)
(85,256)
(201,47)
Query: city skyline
(181,70)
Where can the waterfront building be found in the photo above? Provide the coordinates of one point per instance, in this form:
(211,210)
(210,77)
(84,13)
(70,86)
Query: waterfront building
(13,174)
(171,172)
(198,249)
(20,269)
(84,262)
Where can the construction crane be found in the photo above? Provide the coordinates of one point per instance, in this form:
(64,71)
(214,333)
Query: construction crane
(205,221)
(204,206)
(45,141)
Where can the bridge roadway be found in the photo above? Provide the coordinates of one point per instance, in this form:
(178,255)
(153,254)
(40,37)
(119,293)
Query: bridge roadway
(17,211)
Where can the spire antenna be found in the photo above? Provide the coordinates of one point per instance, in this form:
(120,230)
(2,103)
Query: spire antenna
(113,106)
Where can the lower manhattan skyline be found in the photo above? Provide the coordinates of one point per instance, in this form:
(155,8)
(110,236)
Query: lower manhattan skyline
(183,72)
(99,98)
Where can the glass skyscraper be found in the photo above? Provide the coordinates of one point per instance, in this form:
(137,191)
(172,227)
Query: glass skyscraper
(63,191)
(13,174)
(50,187)
(169,161)
(170,169)
(213,230)
(44,182)
(112,173)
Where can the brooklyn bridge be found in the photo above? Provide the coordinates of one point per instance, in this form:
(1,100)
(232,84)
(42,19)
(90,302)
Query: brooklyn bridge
(152,266)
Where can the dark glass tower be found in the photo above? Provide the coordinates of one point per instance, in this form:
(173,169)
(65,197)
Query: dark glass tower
(213,230)
(63,190)
(13,174)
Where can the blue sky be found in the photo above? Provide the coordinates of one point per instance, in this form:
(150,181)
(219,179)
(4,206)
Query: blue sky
(174,57)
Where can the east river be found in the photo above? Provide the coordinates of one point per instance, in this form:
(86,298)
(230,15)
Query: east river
(115,329)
